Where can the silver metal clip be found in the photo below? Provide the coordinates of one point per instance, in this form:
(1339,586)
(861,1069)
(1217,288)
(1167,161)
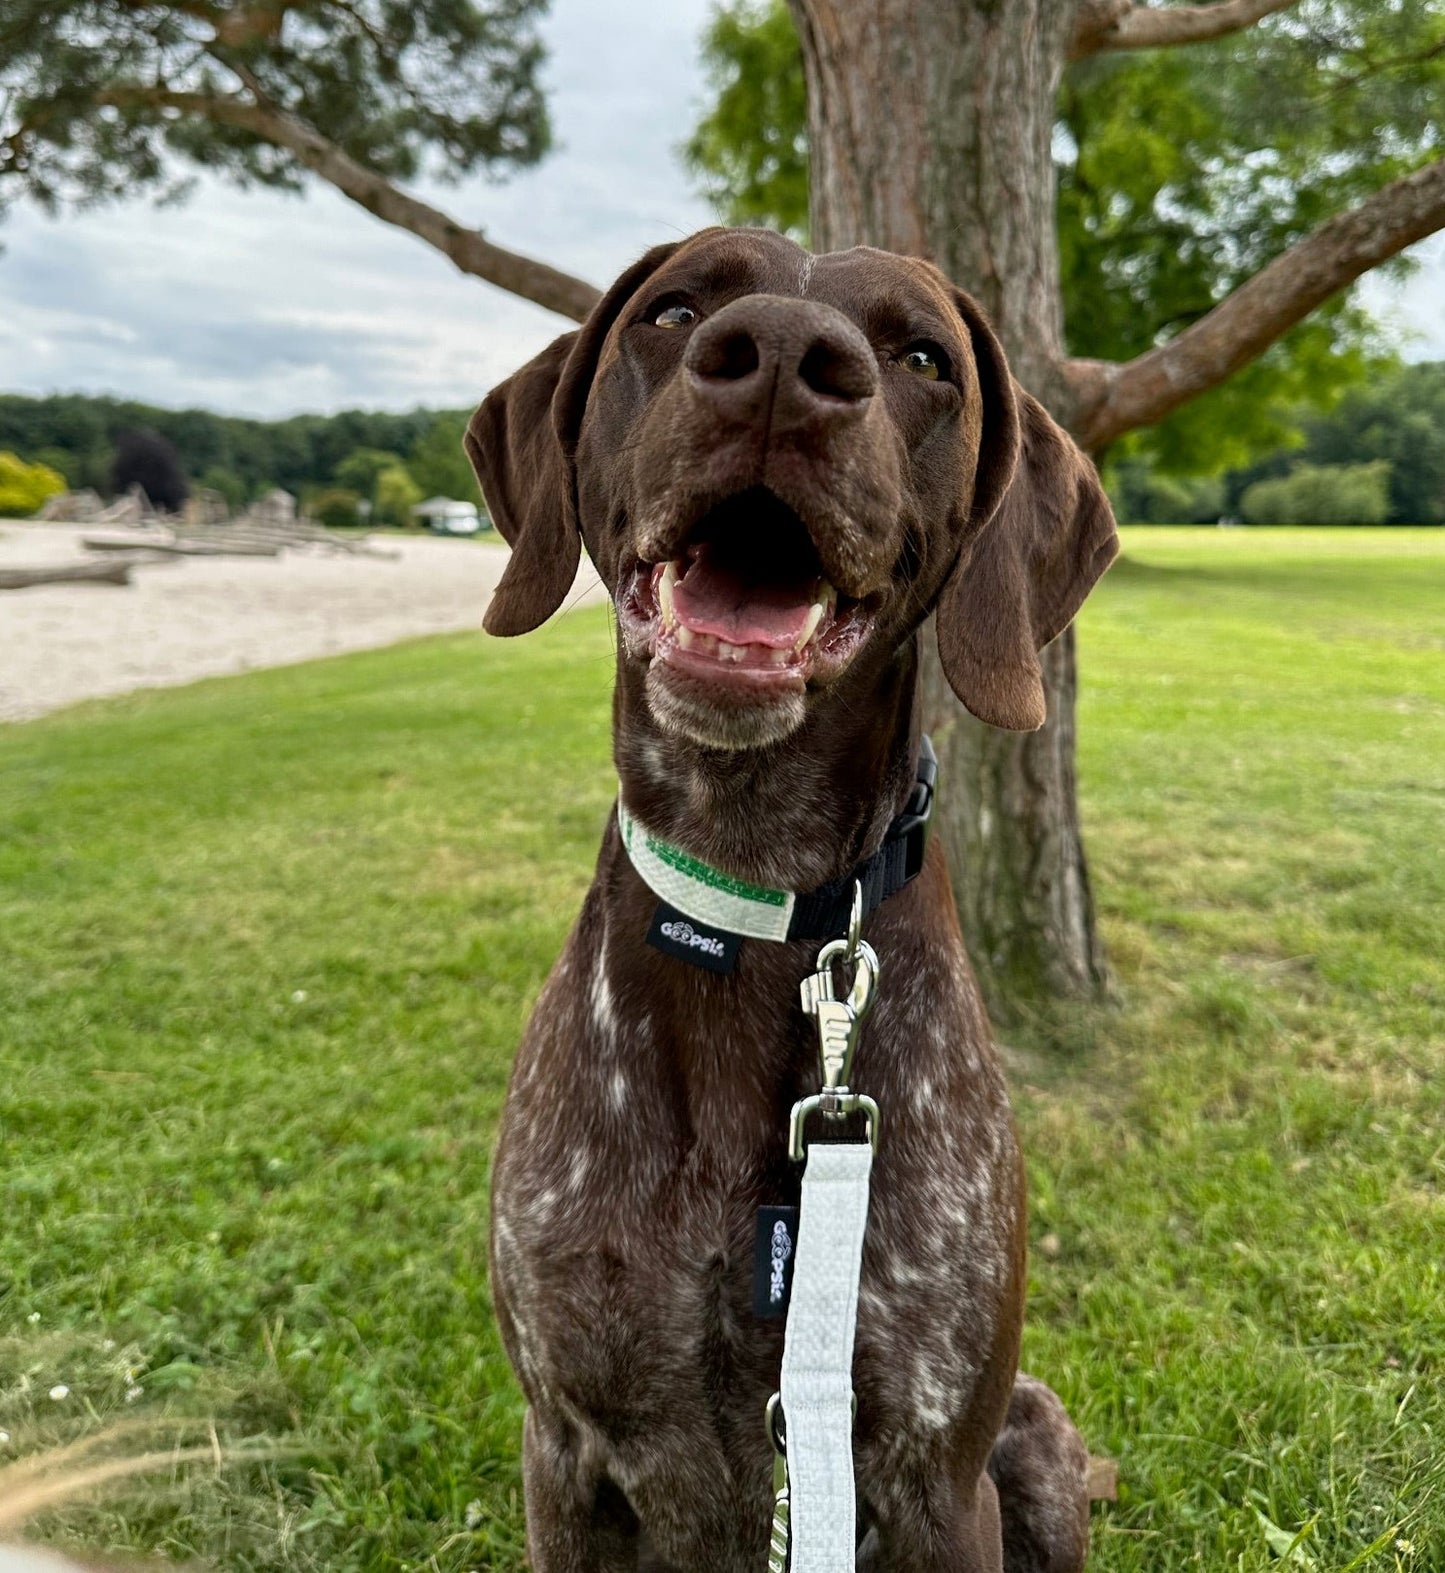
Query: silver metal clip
(839,1021)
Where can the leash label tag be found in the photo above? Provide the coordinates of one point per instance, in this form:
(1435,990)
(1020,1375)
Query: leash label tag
(676,934)
(775,1247)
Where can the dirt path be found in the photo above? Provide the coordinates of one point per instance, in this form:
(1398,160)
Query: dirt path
(208,617)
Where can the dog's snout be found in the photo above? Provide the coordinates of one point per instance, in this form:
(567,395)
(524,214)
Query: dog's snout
(766,357)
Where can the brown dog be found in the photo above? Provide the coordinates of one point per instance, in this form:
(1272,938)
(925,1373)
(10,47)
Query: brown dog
(780,464)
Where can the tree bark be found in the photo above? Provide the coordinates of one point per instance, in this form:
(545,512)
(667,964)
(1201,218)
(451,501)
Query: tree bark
(931,131)
(1000,818)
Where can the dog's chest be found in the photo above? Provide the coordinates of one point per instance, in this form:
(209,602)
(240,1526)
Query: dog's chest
(644,1127)
(625,1269)
(626,1273)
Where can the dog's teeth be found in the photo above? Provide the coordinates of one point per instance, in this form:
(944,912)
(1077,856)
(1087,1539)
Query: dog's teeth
(777,657)
(685,636)
(729,652)
(810,626)
(664,595)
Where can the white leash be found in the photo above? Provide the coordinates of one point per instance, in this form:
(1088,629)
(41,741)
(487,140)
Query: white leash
(817,1385)
(810,1421)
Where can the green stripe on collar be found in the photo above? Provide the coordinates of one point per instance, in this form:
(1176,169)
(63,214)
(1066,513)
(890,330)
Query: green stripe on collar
(702,892)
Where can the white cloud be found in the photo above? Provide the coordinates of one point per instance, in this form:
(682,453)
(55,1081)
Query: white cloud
(1414,311)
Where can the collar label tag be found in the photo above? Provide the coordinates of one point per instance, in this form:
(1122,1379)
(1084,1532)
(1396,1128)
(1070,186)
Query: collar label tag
(676,934)
(775,1247)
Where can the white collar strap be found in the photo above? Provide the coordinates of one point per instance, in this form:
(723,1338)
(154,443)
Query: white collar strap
(702,892)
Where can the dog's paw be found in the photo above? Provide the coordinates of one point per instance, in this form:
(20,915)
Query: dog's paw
(1041,1468)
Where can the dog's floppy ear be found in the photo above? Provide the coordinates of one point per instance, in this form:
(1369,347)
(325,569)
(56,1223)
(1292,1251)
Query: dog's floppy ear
(518,463)
(1041,533)
(521,443)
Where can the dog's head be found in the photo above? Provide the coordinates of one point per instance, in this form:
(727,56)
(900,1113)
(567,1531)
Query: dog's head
(780,464)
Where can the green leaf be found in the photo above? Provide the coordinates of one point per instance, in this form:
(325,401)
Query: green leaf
(1286,1546)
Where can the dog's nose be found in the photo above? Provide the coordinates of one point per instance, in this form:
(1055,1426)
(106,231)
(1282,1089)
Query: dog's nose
(766,357)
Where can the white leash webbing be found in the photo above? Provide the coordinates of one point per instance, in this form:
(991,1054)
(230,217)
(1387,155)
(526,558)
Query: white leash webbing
(817,1381)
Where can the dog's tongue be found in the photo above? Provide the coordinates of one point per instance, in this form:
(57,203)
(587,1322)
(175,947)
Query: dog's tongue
(726,602)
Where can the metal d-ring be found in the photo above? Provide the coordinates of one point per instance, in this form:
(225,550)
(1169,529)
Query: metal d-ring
(833,1106)
(777,1430)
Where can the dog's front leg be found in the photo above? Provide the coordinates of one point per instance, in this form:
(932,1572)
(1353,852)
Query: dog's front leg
(577,1520)
(928,1523)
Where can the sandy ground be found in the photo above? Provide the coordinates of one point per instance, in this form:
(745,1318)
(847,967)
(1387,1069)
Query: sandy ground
(208,617)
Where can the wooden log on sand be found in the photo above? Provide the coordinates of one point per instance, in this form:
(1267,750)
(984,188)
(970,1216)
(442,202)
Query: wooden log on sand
(183,547)
(295,534)
(103,570)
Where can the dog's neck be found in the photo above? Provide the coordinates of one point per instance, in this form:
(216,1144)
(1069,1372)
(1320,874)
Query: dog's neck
(793,815)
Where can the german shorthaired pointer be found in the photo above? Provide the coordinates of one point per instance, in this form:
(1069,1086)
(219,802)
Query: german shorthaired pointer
(780,464)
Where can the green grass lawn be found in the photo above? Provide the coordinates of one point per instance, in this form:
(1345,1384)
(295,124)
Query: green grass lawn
(266,944)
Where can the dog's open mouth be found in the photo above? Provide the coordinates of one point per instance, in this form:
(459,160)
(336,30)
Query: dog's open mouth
(746,603)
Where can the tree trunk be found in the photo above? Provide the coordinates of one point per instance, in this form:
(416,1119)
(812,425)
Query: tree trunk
(930,129)
(1001,820)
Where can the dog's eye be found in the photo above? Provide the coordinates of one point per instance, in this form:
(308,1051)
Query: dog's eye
(674,316)
(923,361)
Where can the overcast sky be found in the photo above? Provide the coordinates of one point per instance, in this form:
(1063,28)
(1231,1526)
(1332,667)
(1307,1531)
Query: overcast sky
(260,304)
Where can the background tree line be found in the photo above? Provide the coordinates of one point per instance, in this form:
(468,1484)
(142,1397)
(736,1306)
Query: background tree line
(334,463)
(1376,457)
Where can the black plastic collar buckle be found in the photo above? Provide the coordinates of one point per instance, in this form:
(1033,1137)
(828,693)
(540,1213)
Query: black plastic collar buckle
(912,824)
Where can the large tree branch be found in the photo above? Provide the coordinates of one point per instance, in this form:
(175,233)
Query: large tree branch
(468,248)
(1111,399)
(1119,24)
